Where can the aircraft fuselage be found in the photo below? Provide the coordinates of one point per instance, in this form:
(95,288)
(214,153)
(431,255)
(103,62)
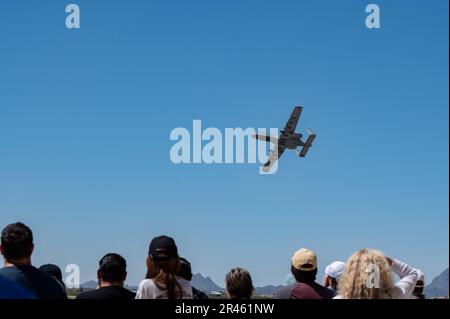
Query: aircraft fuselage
(290,141)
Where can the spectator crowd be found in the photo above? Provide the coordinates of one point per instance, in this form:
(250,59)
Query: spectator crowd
(367,274)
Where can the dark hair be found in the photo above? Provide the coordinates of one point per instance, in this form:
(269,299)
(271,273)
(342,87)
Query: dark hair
(334,281)
(184,269)
(17,241)
(52,271)
(417,291)
(304,276)
(112,267)
(239,284)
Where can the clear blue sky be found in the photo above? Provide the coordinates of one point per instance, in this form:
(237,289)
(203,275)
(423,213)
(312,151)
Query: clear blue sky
(85,118)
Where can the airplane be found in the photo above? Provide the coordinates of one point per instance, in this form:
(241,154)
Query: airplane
(288,139)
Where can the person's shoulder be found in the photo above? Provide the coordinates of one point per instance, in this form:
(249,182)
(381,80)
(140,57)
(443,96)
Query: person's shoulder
(146,283)
(87,294)
(146,286)
(31,272)
(110,292)
(147,290)
(285,292)
(57,288)
(183,282)
(287,287)
(8,271)
(12,290)
(41,284)
(127,293)
(324,291)
(186,286)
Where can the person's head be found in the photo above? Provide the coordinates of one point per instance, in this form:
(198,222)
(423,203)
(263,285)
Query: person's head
(55,272)
(112,270)
(162,265)
(239,284)
(367,275)
(333,272)
(184,269)
(17,244)
(420,285)
(304,265)
(52,271)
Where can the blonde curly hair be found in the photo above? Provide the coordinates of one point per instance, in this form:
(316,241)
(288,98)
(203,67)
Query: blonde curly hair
(367,275)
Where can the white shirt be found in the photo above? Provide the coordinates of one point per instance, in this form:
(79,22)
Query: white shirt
(408,278)
(148,290)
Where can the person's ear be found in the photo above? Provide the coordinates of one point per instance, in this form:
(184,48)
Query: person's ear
(32,248)
(125,276)
(99,275)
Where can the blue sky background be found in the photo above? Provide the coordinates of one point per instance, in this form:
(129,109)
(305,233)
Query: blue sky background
(85,118)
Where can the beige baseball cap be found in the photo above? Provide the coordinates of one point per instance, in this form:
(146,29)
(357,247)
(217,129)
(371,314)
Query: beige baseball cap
(304,259)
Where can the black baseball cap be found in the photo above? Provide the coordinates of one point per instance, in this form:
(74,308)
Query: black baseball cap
(163,248)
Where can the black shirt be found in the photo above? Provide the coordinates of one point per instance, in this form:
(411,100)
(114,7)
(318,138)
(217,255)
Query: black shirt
(32,279)
(110,292)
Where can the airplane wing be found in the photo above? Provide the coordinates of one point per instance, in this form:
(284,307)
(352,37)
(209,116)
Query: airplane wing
(293,120)
(273,157)
(266,138)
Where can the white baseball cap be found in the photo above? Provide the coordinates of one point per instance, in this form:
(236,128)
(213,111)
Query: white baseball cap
(335,269)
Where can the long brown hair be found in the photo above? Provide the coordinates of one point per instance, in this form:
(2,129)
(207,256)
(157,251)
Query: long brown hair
(163,273)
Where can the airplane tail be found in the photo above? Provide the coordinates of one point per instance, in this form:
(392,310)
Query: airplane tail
(307,144)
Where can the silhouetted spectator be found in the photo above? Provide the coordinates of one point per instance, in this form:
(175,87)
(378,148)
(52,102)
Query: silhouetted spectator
(111,275)
(16,248)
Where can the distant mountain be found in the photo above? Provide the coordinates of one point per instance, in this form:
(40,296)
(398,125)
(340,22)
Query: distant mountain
(91,284)
(439,286)
(207,285)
